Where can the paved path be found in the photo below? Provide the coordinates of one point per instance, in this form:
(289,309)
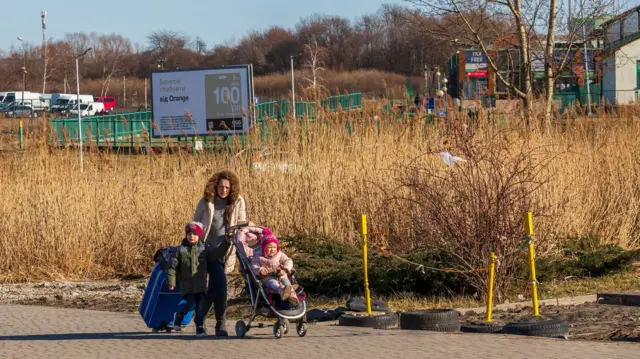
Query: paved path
(45,332)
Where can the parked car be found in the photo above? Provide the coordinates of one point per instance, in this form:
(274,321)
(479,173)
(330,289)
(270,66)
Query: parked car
(19,110)
(109,102)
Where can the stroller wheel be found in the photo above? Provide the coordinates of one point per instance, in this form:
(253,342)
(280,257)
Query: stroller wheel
(155,330)
(168,329)
(277,330)
(285,326)
(241,329)
(301,329)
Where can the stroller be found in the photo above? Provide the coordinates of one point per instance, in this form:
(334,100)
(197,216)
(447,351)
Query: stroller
(266,304)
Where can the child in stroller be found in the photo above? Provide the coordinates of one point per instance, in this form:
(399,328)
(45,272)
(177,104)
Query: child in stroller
(271,298)
(272,266)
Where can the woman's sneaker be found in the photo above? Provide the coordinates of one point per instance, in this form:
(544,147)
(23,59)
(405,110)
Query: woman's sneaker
(221,331)
(201,332)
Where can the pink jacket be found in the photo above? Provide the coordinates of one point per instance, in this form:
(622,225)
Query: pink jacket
(280,259)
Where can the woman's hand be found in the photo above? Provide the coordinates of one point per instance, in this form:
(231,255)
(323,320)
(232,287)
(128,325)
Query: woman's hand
(263,272)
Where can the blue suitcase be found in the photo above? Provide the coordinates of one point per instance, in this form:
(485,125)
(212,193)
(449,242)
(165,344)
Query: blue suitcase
(159,304)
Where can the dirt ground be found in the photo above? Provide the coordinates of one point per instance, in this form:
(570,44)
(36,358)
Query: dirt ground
(587,321)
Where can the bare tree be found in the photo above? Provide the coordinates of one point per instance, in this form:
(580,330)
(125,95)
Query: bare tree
(109,52)
(472,20)
(315,63)
(164,40)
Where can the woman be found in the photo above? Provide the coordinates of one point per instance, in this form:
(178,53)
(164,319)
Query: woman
(221,207)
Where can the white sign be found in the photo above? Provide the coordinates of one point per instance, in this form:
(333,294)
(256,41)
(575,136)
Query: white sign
(202,102)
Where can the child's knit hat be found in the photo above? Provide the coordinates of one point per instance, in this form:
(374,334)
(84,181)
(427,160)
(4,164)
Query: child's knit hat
(268,237)
(195,227)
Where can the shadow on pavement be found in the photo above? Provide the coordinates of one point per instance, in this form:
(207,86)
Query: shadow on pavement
(114,335)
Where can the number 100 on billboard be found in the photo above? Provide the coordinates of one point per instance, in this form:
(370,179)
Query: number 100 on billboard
(202,102)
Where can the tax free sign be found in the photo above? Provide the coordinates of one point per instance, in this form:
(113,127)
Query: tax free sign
(201,102)
(475,64)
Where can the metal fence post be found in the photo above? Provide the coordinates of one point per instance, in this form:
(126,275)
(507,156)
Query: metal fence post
(131,134)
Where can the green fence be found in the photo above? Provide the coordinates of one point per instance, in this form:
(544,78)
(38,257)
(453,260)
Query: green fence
(282,109)
(578,97)
(125,129)
(305,109)
(120,129)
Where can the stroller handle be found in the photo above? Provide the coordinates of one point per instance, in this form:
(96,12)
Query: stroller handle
(233,229)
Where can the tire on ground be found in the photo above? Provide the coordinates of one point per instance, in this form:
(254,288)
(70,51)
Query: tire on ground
(381,321)
(438,320)
(482,327)
(553,328)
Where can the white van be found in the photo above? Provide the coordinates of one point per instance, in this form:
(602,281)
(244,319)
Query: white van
(87,109)
(46,97)
(65,101)
(32,99)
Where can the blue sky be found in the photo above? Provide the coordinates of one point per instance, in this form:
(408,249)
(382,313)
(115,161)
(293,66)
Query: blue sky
(216,22)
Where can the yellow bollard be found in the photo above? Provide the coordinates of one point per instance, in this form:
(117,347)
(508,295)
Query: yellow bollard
(364,261)
(528,230)
(492,269)
(21,135)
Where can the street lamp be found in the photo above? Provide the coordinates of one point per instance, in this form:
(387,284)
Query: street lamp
(24,65)
(78,105)
(444,90)
(24,81)
(293,90)
(161,63)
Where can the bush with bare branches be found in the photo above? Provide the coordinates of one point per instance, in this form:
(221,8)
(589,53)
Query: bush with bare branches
(475,206)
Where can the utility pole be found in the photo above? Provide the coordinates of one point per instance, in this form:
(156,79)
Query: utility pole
(293,90)
(43,15)
(78,107)
(586,63)
(124,84)
(145,93)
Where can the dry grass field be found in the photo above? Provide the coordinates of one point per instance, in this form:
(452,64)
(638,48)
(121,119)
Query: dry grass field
(580,177)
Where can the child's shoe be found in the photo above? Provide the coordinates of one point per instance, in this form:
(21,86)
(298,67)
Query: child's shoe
(286,292)
(201,332)
(177,319)
(293,300)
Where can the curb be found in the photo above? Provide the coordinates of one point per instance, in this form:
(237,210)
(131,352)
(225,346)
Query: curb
(592,298)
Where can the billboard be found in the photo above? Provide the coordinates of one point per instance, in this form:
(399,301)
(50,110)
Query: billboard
(475,64)
(202,101)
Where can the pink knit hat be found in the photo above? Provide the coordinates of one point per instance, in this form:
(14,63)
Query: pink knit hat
(268,237)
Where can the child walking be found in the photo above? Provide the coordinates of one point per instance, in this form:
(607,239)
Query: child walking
(273,267)
(190,268)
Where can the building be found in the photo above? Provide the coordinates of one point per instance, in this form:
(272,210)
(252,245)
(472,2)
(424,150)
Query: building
(471,77)
(621,58)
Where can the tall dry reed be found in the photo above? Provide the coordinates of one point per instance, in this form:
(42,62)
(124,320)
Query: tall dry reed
(59,223)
